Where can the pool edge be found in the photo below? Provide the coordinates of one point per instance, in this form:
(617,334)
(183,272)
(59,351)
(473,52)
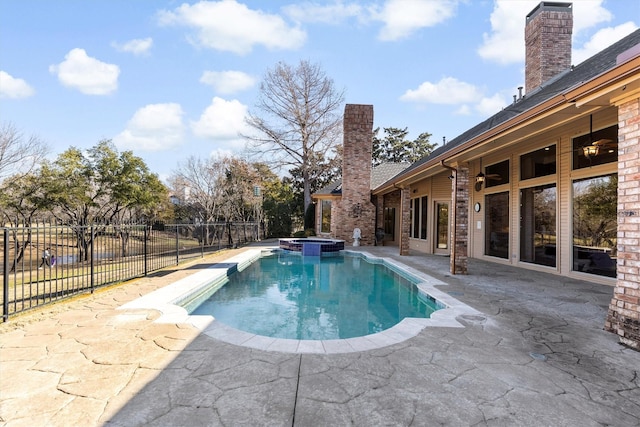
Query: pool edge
(164,300)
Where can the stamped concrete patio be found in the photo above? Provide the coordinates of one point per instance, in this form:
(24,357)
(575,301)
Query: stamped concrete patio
(535,354)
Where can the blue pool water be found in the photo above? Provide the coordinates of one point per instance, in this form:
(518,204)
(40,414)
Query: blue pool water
(287,295)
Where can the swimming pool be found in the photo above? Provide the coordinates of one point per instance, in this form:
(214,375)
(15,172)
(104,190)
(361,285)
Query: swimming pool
(287,295)
(167,302)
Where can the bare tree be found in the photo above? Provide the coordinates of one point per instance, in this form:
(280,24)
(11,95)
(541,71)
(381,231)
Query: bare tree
(199,184)
(298,120)
(19,155)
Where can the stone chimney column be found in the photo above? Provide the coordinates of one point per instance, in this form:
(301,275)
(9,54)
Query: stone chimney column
(547,37)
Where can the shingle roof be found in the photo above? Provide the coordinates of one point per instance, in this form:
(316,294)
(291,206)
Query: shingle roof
(334,188)
(379,175)
(385,171)
(580,74)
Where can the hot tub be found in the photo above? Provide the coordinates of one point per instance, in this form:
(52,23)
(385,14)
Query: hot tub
(323,245)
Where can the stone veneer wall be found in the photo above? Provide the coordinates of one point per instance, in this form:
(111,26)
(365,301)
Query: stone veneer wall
(624,310)
(547,37)
(460,230)
(355,209)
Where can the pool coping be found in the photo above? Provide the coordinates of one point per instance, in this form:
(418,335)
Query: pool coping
(165,299)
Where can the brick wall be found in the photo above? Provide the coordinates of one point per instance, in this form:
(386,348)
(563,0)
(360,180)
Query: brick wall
(547,38)
(355,209)
(460,230)
(624,310)
(405,221)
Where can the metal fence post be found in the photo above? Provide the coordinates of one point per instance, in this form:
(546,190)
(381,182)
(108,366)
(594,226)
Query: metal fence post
(91,270)
(177,244)
(144,246)
(5,274)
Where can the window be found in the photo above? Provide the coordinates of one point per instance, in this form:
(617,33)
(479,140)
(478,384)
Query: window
(538,225)
(325,225)
(497,225)
(497,174)
(595,225)
(419,218)
(538,163)
(389,219)
(603,145)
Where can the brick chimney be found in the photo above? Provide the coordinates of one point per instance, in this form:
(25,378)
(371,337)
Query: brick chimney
(355,207)
(547,37)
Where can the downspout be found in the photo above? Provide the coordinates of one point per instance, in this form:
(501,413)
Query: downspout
(455,209)
(401,215)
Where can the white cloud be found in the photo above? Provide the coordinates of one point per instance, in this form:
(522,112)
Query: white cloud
(226,82)
(601,40)
(135,46)
(463,110)
(230,26)
(222,121)
(451,91)
(154,127)
(89,75)
(505,43)
(333,13)
(448,90)
(11,87)
(401,18)
(491,105)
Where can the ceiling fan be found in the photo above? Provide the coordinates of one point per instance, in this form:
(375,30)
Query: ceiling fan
(594,148)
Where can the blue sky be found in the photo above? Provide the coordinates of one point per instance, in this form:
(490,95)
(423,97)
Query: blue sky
(172,79)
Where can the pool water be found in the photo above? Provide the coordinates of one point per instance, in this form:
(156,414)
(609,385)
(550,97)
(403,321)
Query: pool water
(286,295)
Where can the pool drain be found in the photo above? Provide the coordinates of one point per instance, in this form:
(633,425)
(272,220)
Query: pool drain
(538,356)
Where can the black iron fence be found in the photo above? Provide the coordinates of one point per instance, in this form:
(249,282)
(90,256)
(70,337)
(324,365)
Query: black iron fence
(45,263)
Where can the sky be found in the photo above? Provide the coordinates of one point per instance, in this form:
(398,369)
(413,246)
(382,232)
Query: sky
(169,80)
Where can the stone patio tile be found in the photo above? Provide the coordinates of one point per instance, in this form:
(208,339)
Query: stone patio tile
(65,345)
(11,339)
(22,353)
(119,352)
(81,411)
(60,362)
(44,340)
(25,385)
(76,317)
(96,381)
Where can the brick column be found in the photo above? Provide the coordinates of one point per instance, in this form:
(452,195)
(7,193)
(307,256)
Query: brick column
(355,209)
(624,310)
(460,220)
(405,220)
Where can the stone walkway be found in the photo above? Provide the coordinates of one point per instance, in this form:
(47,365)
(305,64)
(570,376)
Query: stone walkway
(536,356)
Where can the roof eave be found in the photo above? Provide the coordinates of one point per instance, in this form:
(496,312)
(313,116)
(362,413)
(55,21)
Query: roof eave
(615,79)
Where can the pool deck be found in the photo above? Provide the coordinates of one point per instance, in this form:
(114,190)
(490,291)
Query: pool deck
(533,353)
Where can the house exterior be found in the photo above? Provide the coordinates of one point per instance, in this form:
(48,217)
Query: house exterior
(551,182)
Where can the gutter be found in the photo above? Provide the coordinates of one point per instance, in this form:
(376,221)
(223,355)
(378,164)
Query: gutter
(617,76)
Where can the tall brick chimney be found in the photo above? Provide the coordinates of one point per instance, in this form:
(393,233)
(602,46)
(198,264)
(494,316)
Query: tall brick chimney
(356,209)
(547,37)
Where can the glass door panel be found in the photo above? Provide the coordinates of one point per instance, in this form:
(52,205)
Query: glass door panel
(442,227)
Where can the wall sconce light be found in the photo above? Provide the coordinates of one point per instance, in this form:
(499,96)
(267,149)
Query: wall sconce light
(415,190)
(451,177)
(590,150)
